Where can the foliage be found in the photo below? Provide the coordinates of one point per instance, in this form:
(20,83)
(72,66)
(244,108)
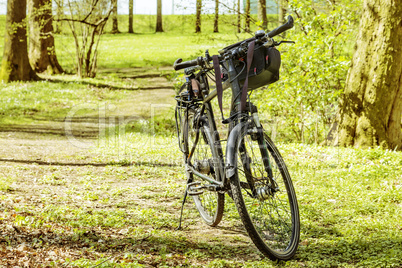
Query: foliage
(86,20)
(304,102)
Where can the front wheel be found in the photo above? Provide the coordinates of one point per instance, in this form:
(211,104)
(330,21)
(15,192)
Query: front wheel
(265,198)
(210,204)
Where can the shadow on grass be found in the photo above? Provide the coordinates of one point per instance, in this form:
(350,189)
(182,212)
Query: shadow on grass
(149,246)
(56,163)
(87,132)
(115,87)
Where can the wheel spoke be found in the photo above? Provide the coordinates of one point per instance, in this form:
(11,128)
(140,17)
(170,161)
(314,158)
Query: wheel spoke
(271,213)
(209,204)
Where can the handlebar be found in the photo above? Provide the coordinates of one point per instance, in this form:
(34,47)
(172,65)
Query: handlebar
(284,27)
(200,61)
(179,64)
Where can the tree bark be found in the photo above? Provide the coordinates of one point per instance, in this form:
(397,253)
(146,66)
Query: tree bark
(115,27)
(130,16)
(238,17)
(371,105)
(282,11)
(262,13)
(216,30)
(159,27)
(247,24)
(42,52)
(15,63)
(198,17)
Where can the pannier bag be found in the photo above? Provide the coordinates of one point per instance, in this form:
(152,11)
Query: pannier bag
(264,67)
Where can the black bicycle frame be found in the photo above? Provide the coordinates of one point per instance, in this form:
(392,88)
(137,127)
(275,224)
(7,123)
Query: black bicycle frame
(236,129)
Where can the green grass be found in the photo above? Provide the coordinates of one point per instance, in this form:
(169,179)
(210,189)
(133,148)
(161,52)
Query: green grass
(350,202)
(46,100)
(150,49)
(147,48)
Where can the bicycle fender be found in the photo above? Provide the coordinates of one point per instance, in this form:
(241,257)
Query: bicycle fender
(232,144)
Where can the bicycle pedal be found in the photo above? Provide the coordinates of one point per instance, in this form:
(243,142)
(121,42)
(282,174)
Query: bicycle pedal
(193,189)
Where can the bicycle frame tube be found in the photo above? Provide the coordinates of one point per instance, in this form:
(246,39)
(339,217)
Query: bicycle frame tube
(216,139)
(207,109)
(234,130)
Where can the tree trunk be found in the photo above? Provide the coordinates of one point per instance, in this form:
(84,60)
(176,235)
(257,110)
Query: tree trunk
(371,106)
(42,53)
(15,64)
(238,17)
(282,11)
(247,26)
(216,30)
(115,27)
(159,17)
(130,16)
(262,13)
(59,12)
(198,17)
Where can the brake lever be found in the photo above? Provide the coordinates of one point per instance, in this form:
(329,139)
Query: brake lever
(284,42)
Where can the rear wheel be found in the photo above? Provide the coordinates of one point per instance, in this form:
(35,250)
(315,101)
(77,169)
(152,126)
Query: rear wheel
(267,207)
(209,203)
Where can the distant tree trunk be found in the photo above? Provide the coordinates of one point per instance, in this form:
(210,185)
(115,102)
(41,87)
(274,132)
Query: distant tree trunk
(262,13)
(130,16)
(198,17)
(115,27)
(216,30)
(282,11)
(59,13)
(238,17)
(42,52)
(15,63)
(371,106)
(247,26)
(159,17)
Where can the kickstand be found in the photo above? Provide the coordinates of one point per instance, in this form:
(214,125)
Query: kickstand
(182,206)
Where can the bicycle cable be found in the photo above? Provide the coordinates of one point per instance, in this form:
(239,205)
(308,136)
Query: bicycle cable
(244,67)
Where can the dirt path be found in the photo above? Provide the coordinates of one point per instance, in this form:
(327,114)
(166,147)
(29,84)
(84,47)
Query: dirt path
(68,205)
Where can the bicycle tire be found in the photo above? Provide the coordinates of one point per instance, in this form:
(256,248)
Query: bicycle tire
(210,204)
(273,224)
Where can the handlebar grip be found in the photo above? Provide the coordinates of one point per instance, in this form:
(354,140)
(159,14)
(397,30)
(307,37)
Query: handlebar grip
(178,64)
(284,27)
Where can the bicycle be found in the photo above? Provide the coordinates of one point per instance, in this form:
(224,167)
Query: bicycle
(252,171)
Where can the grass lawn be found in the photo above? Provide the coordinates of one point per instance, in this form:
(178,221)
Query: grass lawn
(118,204)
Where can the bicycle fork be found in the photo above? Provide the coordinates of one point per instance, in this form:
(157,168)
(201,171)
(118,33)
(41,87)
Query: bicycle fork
(268,190)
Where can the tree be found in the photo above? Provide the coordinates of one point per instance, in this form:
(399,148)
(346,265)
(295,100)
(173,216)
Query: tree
(216,30)
(159,16)
(247,26)
(198,17)
(262,13)
(130,16)
(15,63)
(282,11)
(238,17)
(115,27)
(59,12)
(87,19)
(371,106)
(42,52)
